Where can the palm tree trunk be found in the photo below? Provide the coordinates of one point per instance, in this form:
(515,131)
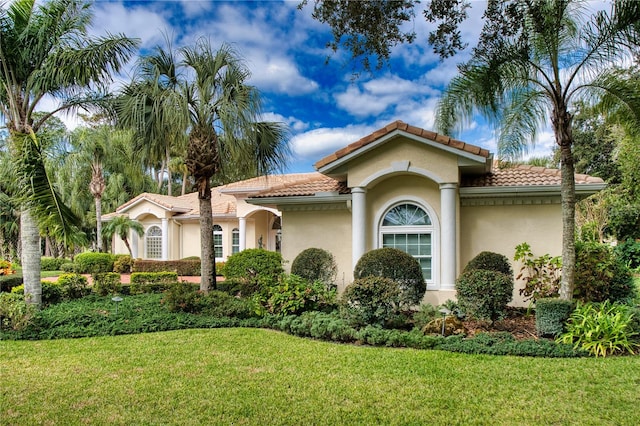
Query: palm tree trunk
(168,161)
(562,128)
(98,201)
(185,176)
(30,242)
(208,260)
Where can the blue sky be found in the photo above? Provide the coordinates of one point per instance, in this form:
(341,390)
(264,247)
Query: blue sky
(325,107)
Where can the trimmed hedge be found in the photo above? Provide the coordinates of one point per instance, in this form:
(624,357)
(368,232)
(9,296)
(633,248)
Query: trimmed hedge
(151,282)
(94,263)
(189,267)
(52,263)
(254,270)
(484,294)
(551,315)
(490,261)
(315,264)
(106,283)
(7,282)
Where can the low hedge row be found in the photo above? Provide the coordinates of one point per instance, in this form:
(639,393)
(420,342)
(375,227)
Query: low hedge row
(7,282)
(186,267)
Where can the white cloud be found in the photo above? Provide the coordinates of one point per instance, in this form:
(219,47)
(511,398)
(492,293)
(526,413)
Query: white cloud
(134,21)
(317,143)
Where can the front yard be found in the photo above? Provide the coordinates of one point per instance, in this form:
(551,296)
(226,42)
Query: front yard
(263,377)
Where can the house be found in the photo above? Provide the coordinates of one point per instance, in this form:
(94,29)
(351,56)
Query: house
(440,199)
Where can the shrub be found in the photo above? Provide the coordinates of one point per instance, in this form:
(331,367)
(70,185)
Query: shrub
(123,264)
(146,282)
(51,263)
(370,300)
(541,275)
(219,269)
(94,263)
(315,264)
(600,275)
(484,294)
(6,268)
(221,304)
(106,283)
(188,267)
(7,282)
(551,315)
(15,313)
(69,267)
(506,344)
(255,269)
(629,253)
(183,297)
(398,266)
(51,292)
(425,315)
(73,286)
(601,329)
(294,295)
(490,261)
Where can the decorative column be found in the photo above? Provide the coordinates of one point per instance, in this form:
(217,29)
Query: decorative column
(242,230)
(165,238)
(358,223)
(135,242)
(448,232)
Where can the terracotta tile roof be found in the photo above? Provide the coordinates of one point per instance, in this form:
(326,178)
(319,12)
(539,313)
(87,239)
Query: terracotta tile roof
(307,185)
(523,175)
(399,125)
(165,201)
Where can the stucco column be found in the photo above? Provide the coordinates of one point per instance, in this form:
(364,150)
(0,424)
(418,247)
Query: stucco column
(165,239)
(448,231)
(242,230)
(135,242)
(358,221)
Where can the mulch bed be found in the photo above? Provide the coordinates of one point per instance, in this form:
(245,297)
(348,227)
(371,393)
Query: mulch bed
(517,322)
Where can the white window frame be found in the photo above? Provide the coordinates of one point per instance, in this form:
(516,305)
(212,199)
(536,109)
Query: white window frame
(218,233)
(235,246)
(156,239)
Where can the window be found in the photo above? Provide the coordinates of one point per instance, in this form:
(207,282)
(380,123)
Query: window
(153,242)
(217,240)
(408,227)
(235,241)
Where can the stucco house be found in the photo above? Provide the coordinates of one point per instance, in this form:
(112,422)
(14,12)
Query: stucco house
(440,199)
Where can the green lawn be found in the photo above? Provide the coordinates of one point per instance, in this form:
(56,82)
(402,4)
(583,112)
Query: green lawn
(262,377)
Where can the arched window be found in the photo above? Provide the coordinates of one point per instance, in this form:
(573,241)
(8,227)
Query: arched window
(409,228)
(153,242)
(235,241)
(217,241)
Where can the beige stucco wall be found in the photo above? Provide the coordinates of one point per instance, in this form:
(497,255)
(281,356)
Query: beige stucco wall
(440,163)
(326,229)
(500,228)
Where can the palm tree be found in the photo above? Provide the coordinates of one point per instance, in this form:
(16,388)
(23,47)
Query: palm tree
(121,226)
(212,103)
(46,50)
(552,58)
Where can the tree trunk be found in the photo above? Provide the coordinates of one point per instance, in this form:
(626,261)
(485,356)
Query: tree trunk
(562,128)
(98,201)
(207,253)
(168,161)
(185,176)
(30,242)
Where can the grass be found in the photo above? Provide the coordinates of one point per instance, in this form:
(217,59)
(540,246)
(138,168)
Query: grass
(262,377)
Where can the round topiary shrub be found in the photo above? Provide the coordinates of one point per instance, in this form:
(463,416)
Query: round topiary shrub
(94,263)
(74,286)
(601,275)
(315,264)
(398,266)
(484,294)
(490,261)
(370,300)
(123,264)
(255,269)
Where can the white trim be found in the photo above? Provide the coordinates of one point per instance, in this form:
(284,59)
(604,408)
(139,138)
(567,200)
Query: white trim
(434,284)
(358,224)
(146,238)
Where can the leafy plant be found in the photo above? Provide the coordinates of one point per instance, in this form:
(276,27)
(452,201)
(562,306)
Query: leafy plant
(183,297)
(629,253)
(425,315)
(123,264)
(601,329)
(294,295)
(541,275)
(398,266)
(315,264)
(490,261)
(93,263)
(600,275)
(74,286)
(15,313)
(484,294)
(5,268)
(371,300)
(256,269)
(51,263)
(106,283)
(551,315)
(146,282)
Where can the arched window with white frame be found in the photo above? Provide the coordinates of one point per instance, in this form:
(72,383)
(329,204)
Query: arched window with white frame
(235,241)
(217,241)
(408,227)
(153,242)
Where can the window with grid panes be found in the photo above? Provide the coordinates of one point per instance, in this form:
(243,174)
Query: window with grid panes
(153,242)
(217,240)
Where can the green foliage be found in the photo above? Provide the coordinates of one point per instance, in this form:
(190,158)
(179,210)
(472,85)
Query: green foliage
(69,267)
(183,297)
(15,313)
(146,282)
(220,304)
(7,282)
(219,269)
(123,264)
(490,261)
(254,269)
(52,263)
(294,295)
(51,292)
(506,344)
(600,275)
(425,315)
(398,266)
(551,315)
(601,329)
(186,267)
(541,275)
(94,263)
(484,294)
(629,253)
(370,300)
(106,283)
(315,264)
(74,286)
(624,219)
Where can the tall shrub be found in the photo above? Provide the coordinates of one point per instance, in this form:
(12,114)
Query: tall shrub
(490,261)
(254,269)
(484,294)
(398,266)
(94,263)
(371,300)
(315,264)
